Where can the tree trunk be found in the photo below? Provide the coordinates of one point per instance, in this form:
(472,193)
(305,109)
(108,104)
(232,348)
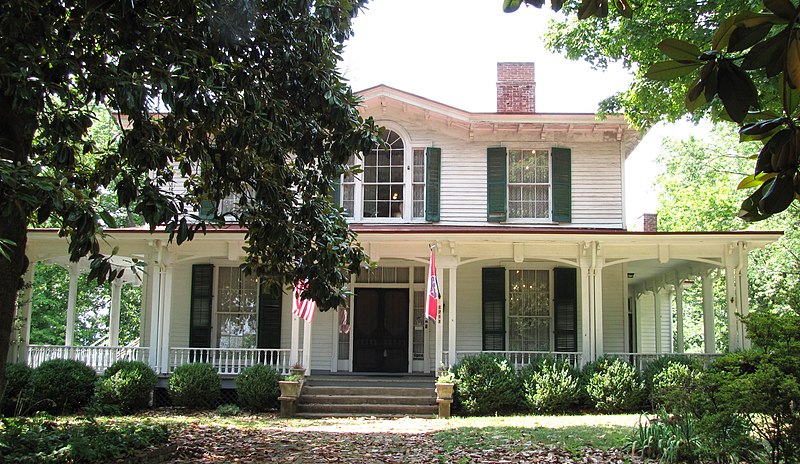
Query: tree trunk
(11,281)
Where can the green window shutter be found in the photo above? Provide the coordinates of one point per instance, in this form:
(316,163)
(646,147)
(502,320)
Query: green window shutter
(336,191)
(562,184)
(433,174)
(494,308)
(270,298)
(565,312)
(496,184)
(200,311)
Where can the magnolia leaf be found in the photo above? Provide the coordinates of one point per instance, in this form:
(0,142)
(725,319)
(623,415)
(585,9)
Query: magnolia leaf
(783,8)
(760,130)
(727,26)
(793,60)
(744,37)
(556,4)
(769,157)
(107,218)
(755,180)
(779,195)
(766,52)
(736,90)
(692,105)
(791,99)
(587,8)
(679,49)
(624,8)
(668,70)
(510,6)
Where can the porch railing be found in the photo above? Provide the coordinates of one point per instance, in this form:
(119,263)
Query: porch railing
(641,360)
(520,359)
(98,358)
(231,360)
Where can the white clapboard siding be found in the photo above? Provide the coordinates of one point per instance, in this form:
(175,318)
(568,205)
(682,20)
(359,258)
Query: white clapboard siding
(322,340)
(596,185)
(181,305)
(666,322)
(645,320)
(614,310)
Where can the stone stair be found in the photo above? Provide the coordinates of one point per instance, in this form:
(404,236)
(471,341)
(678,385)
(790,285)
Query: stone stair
(370,396)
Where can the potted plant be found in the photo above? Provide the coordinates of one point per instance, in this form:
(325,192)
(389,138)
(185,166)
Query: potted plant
(444,385)
(290,386)
(298,369)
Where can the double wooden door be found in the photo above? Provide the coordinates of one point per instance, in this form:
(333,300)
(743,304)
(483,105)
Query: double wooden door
(380,330)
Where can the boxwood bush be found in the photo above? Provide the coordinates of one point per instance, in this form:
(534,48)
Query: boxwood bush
(61,386)
(672,386)
(125,387)
(257,388)
(17,396)
(614,385)
(551,386)
(486,384)
(657,365)
(195,385)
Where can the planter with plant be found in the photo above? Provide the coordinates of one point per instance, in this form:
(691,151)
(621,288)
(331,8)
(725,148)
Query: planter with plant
(445,384)
(290,387)
(298,369)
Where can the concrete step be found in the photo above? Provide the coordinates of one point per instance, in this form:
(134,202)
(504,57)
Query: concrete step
(307,398)
(368,409)
(324,415)
(368,391)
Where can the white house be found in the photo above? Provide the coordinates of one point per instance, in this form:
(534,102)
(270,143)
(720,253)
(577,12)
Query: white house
(527,216)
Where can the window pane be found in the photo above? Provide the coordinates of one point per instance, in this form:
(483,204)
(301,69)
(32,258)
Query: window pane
(529,184)
(529,310)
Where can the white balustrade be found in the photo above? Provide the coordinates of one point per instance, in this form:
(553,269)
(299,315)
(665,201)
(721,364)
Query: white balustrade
(641,360)
(520,359)
(231,361)
(98,358)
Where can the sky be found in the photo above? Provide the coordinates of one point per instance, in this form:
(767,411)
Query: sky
(447,50)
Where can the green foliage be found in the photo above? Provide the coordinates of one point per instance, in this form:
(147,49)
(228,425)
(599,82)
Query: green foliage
(257,388)
(43,440)
(551,386)
(17,393)
(227,410)
(126,385)
(670,386)
(486,384)
(667,438)
(194,385)
(61,386)
(614,385)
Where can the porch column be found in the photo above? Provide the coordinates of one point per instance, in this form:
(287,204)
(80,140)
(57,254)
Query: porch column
(113,317)
(294,344)
(657,312)
(679,316)
(166,313)
(708,312)
(586,313)
(451,325)
(744,295)
(72,299)
(154,288)
(307,346)
(731,300)
(598,307)
(25,315)
(439,324)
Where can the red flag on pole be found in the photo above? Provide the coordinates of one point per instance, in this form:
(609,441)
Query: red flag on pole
(302,308)
(431,303)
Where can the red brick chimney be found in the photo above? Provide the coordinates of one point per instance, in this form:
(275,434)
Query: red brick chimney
(649,222)
(516,88)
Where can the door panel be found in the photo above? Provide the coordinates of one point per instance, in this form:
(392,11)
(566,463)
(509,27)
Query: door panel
(380,330)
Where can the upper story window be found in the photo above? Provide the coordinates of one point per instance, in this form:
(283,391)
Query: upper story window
(529,184)
(395,182)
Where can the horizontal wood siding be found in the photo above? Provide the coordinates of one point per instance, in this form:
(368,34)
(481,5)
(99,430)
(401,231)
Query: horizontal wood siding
(666,322)
(646,318)
(321,340)
(596,185)
(614,310)
(468,327)
(181,302)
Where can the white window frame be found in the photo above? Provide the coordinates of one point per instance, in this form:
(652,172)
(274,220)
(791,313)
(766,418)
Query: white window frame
(215,312)
(408,184)
(550,299)
(509,184)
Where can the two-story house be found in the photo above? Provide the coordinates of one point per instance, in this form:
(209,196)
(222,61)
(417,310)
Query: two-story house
(526,215)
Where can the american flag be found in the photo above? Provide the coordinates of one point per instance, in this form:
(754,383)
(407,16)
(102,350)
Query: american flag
(432,302)
(300,307)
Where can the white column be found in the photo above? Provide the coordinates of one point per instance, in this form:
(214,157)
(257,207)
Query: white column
(598,307)
(586,313)
(166,314)
(439,324)
(451,325)
(731,300)
(294,344)
(307,346)
(113,316)
(657,312)
(679,316)
(24,335)
(72,299)
(744,295)
(708,312)
(154,286)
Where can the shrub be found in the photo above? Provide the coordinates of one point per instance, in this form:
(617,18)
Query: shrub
(667,438)
(654,367)
(551,386)
(226,410)
(195,385)
(257,388)
(62,386)
(614,386)
(17,395)
(486,384)
(671,388)
(126,386)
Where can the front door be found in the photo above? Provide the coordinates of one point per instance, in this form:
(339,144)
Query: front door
(380,330)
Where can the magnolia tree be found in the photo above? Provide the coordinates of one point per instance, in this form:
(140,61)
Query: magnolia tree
(236,98)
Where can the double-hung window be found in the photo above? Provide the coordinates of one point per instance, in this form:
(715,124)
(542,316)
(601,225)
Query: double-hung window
(529,184)
(396,181)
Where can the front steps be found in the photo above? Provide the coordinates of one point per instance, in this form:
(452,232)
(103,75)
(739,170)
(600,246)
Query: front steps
(370,396)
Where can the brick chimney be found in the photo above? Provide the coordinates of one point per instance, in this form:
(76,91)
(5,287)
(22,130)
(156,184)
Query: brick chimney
(649,222)
(516,88)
